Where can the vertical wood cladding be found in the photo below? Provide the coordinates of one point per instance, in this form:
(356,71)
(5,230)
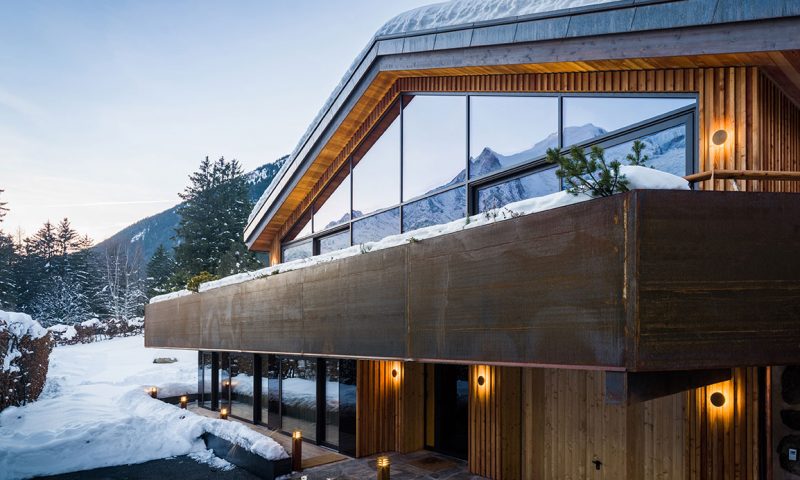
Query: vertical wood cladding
(762,123)
(389,408)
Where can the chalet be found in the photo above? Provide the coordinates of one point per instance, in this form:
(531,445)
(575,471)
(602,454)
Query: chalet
(648,334)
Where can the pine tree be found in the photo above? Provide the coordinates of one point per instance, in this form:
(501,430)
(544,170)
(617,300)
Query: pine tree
(237,260)
(213,217)
(123,291)
(3,209)
(8,259)
(160,272)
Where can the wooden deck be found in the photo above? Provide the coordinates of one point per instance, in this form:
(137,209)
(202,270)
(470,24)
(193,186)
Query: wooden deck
(313,455)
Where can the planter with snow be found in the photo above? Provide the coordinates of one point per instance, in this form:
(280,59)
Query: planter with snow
(25,348)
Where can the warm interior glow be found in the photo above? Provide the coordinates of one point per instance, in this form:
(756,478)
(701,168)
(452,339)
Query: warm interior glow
(383,461)
(297,434)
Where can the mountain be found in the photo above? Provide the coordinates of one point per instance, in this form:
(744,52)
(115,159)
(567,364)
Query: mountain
(159,229)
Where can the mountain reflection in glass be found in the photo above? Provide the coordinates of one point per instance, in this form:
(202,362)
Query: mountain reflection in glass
(543,182)
(376,172)
(437,209)
(376,227)
(299,396)
(434,143)
(508,130)
(666,150)
(298,251)
(334,207)
(586,118)
(337,241)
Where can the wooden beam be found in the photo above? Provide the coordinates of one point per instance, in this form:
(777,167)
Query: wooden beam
(633,387)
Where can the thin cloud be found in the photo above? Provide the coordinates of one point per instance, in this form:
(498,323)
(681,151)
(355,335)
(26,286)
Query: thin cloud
(108,204)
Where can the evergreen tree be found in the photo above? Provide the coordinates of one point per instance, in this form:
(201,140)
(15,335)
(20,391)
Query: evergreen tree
(123,293)
(3,209)
(237,260)
(160,272)
(8,259)
(213,217)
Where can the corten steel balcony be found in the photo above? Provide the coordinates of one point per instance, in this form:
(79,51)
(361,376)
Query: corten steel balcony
(642,281)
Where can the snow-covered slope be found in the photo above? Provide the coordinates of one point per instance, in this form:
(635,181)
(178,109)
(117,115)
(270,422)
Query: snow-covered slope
(459,12)
(94,412)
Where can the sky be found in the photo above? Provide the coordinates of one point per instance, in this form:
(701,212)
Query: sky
(106,107)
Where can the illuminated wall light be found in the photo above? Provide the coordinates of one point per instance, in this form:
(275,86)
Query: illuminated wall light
(481,380)
(719,138)
(717,399)
(383,466)
(394,373)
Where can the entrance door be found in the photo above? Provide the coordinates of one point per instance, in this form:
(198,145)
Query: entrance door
(451,403)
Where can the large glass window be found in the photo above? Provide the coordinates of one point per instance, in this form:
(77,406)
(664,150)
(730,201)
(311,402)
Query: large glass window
(336,241)
(270,392)
(665,150)
(437,209)
(413,164)
(434,143)
(586,118)
(296,251)
(376,227)
(241,377)
(204,372)
(536,184)
(333,207)
(376,168)
(299,396)
(510,130)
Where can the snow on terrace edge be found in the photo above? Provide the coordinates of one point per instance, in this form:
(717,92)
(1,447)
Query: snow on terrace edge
(638,177)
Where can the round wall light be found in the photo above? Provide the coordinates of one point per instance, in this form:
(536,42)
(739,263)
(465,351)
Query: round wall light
(717,399)
(394,373)
(719,137)
(481,380)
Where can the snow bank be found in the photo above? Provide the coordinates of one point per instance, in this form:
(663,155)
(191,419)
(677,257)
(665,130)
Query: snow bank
(95,412)
(461,12)
(63,332)
(170,296)
(24,349)
(638,178)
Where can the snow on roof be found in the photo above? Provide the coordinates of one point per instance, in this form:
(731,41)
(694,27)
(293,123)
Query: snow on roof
(459,12)
(438,15)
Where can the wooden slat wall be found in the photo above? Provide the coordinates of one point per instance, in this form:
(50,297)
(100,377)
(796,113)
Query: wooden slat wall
(390,411)
(494,422)
(728,99)
(377,395)
(567,425)
(779,119)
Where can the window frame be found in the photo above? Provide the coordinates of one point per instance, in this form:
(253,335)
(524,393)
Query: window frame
(687,115)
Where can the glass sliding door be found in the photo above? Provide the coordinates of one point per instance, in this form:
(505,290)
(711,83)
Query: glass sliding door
(270,392)
(224,382)
(299,396)
(241,376)
(204,372)
(331,402)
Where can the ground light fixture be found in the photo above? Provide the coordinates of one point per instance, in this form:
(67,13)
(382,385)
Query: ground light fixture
(719,137)
(717,399)
(184,401)
(223,413)
(383,468)
(297,451)
(154,392)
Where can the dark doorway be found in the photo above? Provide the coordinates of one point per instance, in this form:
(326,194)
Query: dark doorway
(451,393)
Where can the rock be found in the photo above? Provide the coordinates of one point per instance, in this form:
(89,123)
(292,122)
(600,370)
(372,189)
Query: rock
(164,360)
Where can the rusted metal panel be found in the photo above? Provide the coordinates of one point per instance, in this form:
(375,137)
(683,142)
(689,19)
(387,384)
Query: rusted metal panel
(544,288)
(718,279)
(642,281)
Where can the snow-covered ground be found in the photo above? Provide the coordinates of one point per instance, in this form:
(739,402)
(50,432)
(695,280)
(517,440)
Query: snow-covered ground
(95,412)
